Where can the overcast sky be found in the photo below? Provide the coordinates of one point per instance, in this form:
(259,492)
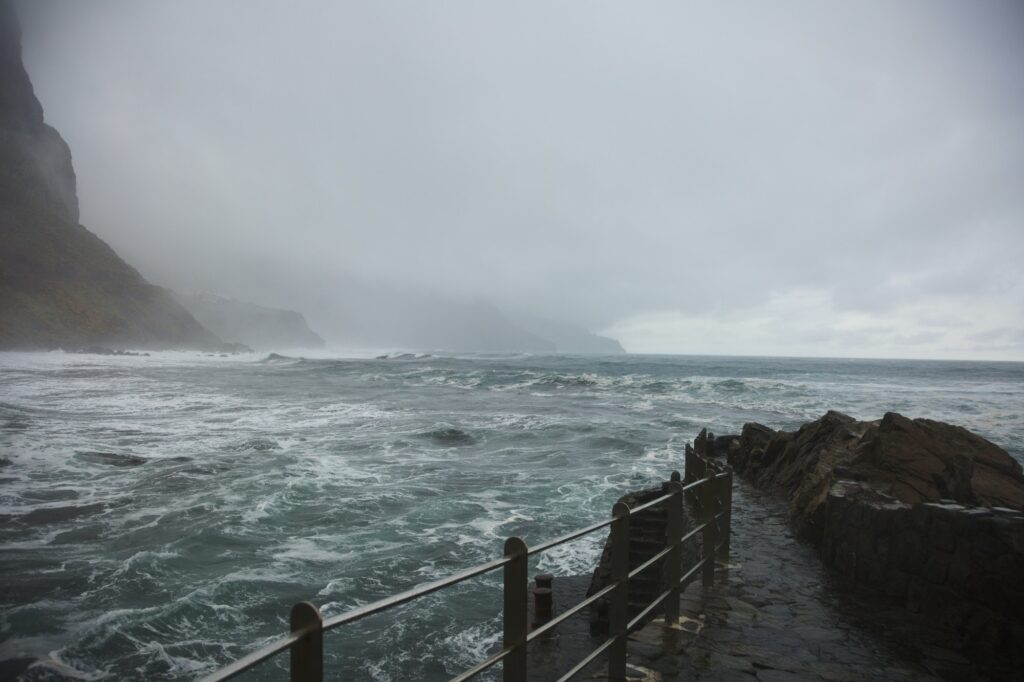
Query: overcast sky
(786,178)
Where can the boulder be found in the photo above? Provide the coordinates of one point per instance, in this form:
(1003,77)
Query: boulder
(920,460)
(908,460)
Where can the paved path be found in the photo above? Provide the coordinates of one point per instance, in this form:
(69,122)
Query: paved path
(775,613)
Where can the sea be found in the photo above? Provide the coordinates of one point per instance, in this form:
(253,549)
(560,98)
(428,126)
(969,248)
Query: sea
(160,514)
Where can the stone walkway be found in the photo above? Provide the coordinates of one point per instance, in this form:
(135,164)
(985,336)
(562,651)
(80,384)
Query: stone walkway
(775,614)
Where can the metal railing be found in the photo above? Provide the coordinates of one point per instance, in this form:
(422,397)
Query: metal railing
(711,495)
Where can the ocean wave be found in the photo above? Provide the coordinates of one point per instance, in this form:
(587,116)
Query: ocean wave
(54,664)
(344,481)
(278,359)
(399,355)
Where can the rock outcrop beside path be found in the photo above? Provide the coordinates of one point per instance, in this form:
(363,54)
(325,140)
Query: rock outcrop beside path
(906,460)
(925,512)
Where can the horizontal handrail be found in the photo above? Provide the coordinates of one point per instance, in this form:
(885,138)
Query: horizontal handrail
(484,665)
(696,567)
(650,562)
(416,592)
(650,503)
(568,537)
(254,658)
(589,659)
(650,607)
(260,655)
(693,532)
(569,613)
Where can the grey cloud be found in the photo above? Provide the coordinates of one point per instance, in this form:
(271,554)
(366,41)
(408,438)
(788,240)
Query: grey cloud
(592,162)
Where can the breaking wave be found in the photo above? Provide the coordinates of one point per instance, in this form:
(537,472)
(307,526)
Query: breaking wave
(160,514)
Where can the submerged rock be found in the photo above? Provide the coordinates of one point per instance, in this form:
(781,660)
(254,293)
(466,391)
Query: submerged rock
(47,515)
(449,436)
(111,458)
(258,444)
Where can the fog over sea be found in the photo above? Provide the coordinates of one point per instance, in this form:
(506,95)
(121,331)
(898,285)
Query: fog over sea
(159,515)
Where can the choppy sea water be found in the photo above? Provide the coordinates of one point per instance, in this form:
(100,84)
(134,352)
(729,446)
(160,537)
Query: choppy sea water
(159,515)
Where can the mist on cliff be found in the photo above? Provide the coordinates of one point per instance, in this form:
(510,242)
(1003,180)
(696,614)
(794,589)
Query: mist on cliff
(789,178)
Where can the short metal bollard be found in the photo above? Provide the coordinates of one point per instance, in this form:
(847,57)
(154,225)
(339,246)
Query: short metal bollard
(543,598)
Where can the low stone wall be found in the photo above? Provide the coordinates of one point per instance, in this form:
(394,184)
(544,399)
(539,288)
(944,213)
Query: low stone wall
(961,568)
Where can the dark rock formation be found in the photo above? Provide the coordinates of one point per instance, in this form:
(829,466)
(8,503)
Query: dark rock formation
(910,460)
(33,156)
(927,513)
(958,567)
(61,285)
(254,325)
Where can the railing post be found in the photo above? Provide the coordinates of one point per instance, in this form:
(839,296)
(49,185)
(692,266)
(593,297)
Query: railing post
(726,497)
(709,508)
(307,654)
(515,596)
(618,608)
(690,474)
(673,535)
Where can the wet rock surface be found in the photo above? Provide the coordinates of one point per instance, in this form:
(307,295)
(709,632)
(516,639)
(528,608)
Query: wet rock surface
(775,613)
(909,460)
(957,567)
(923,513)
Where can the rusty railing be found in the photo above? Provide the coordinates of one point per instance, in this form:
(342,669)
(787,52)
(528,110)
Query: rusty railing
(710,494)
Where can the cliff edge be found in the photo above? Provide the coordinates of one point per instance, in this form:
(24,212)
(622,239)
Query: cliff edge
(60,284)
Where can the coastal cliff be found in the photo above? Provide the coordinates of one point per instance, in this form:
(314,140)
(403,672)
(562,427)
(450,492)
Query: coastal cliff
(60,284)
(257,326)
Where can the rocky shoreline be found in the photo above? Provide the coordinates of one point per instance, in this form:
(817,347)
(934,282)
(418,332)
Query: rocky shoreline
(925,513)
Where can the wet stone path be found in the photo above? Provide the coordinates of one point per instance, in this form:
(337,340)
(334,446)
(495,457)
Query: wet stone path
(775,613)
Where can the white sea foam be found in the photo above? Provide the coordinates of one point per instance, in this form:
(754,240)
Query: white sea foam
(55,663)
(231,487)
(309,550)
